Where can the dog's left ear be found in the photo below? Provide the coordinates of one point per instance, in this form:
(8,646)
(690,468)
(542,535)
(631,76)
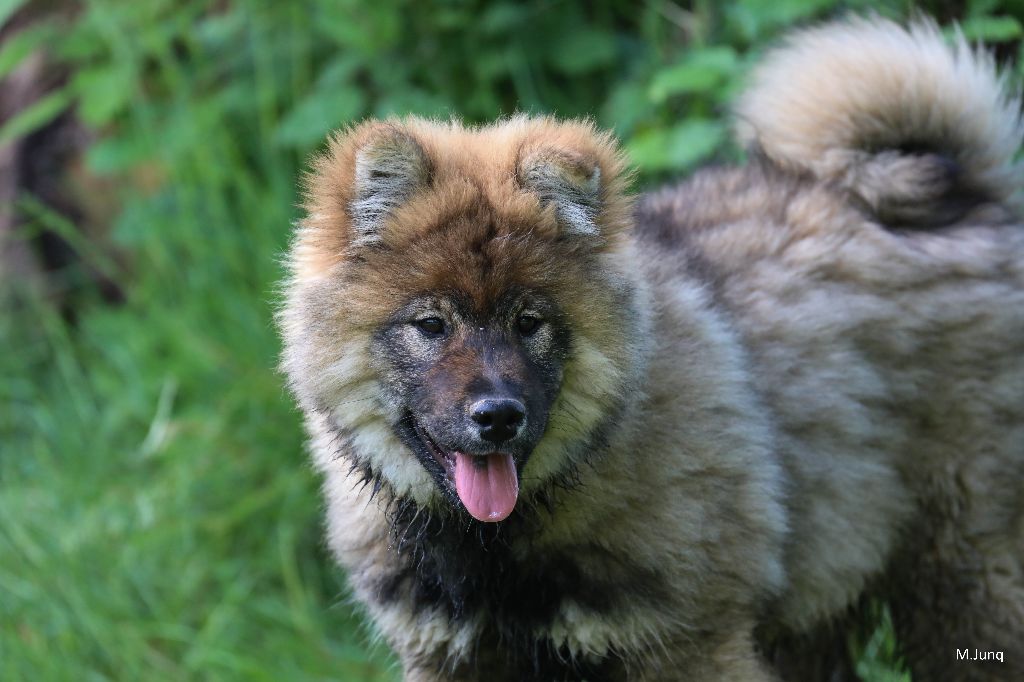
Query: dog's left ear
(567,181)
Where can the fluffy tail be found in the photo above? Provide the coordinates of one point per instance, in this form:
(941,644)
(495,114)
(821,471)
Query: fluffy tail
(917,128)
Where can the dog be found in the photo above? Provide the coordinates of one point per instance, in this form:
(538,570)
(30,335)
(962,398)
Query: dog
(570,434)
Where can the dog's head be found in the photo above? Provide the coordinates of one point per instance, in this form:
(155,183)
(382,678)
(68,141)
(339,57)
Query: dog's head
(462,307)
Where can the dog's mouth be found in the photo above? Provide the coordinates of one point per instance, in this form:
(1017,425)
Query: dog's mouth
(487,485)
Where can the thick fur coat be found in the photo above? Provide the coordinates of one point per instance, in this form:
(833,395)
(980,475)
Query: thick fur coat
(749,402)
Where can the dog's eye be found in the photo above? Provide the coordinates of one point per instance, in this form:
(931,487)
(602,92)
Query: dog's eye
(434,326)
(527,324)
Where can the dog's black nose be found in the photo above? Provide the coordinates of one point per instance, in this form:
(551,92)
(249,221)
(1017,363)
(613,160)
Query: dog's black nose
(499,418)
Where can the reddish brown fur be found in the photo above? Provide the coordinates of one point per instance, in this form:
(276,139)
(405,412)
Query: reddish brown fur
(473,174)
(476,230)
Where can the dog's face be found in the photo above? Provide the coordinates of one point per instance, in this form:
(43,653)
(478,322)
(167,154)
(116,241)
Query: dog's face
(460,309)
(475,385)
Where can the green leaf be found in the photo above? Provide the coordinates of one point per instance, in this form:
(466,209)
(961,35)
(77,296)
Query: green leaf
(20,46)
(35,116)
(992,29)
(626,106)
(980,8)
(584,50)
(701,71)
(220,30)
(370,28)
(452,18)
(338,71)
(755,19)
(320,112)
(493,64)
(676,148)
(116,153)
(103,92)
(502,17)
(681,79)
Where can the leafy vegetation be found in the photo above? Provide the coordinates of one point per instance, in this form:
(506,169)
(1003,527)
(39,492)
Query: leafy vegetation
(158,519)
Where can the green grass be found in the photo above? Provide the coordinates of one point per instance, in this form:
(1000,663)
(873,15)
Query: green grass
(158,517)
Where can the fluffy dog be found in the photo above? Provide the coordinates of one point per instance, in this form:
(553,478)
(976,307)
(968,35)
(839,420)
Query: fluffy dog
(570,436)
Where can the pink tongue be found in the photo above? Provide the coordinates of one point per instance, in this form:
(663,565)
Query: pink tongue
(487,485)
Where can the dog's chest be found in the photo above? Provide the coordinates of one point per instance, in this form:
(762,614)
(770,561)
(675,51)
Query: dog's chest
(553,613)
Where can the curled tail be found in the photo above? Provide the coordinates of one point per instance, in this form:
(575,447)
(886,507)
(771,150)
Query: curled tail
(917,128)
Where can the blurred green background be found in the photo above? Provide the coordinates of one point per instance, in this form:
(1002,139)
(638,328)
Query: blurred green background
(158,519)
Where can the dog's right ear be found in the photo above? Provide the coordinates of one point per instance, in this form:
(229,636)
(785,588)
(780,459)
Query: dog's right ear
(389,168)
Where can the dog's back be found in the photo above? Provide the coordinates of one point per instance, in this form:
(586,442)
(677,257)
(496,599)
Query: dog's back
(872,258)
